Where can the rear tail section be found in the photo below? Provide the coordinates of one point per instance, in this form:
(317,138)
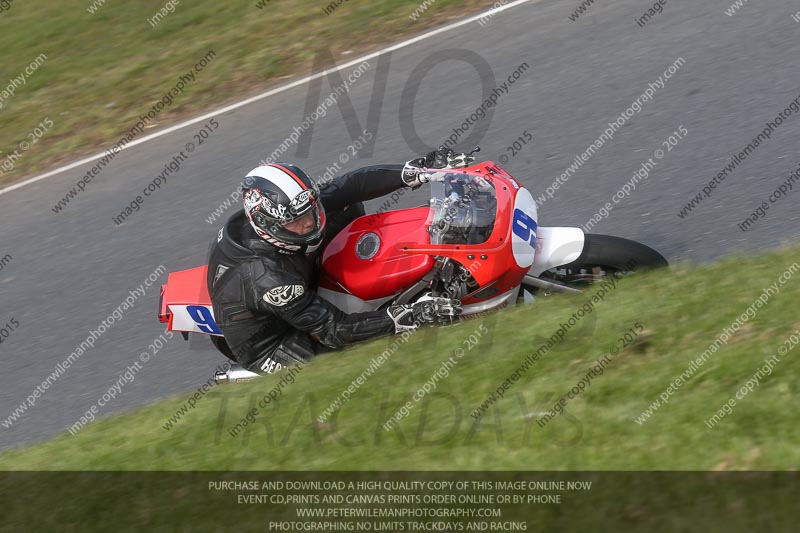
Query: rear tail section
(185,304)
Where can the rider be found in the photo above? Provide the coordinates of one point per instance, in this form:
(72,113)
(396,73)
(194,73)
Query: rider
(263,265)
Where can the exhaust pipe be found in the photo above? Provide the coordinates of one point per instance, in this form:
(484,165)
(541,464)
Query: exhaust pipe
(235,374)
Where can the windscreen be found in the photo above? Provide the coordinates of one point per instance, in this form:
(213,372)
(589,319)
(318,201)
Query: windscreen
(463,209)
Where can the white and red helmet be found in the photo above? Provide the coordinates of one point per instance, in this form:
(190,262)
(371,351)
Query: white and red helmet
(278,194)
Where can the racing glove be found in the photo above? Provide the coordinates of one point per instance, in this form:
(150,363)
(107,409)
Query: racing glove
(415,172)
(426,310)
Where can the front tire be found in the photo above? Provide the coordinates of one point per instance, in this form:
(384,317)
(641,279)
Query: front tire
(602,256)
(617,253)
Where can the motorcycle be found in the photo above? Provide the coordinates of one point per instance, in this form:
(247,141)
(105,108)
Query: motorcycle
(478,240)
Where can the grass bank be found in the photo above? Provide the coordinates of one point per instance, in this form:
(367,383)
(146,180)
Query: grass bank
(92,67)
(671,319)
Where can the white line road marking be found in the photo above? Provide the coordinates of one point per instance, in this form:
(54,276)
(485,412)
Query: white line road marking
(267,94)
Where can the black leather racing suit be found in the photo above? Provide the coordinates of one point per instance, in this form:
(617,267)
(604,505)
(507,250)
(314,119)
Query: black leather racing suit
(265,300)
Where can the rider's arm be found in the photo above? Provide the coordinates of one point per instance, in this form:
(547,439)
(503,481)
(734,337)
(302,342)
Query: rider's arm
(362,185)
(304,310)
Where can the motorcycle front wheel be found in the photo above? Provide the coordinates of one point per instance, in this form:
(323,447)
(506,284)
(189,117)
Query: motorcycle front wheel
(602,256)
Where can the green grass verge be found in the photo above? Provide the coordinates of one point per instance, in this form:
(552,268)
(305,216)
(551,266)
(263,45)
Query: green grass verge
(681,313)
(103,70)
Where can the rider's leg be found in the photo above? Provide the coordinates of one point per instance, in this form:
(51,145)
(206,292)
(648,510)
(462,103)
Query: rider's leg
(295,348)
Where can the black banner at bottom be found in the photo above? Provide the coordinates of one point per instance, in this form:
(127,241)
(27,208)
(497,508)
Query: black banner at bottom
(399,501)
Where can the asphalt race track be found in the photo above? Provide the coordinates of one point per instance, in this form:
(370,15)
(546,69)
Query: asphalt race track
(70,270)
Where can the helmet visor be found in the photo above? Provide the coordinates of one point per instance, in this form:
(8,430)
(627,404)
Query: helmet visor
(301,229)
(302,225)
